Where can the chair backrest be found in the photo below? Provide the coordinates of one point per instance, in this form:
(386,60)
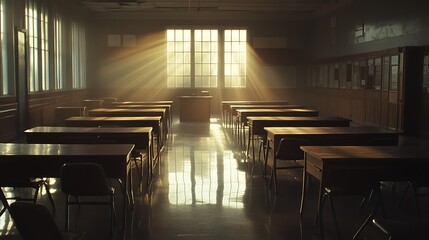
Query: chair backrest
(34,221)
(289,148)
(83,179)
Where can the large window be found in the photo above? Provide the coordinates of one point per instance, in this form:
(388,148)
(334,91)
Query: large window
(78,56)
(4,84)
(53,49)
(32,25)
(235,58)
(193,58)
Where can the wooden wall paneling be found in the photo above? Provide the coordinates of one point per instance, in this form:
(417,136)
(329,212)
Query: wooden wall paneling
(8,120)
(372,107)
(384,113)
(333,102)
(424,115)
(393,110)
(344,100)
(357,104)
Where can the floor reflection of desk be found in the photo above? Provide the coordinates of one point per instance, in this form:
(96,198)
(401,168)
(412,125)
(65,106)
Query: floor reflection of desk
(195,108)
(45,160)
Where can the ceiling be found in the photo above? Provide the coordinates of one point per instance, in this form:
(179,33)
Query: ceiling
(292,9)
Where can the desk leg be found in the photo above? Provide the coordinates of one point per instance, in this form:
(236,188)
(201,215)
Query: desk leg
(129,186)
(304,184)
(266,156)
(273,175)
(248,145)
(243,137)
(149,160)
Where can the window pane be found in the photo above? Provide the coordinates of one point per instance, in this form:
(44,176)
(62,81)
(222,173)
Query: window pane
(32,23)
(235,58)
(78,56)
(206,47)
(179,58)
(45,49)
(58,52)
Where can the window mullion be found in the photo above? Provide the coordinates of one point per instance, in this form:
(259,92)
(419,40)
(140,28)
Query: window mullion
(192,59)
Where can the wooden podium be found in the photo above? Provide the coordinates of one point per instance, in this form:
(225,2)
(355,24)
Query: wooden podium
(195,108)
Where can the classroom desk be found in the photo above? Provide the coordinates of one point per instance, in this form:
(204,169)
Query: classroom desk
(387,163)
(167,108)
(141,137)
(242,115)
(154,122)
(325,136)
(233,108)
(92,103)
(226,106)
(169,102)
(134,112)
(195,108)
(62,113)
(257,123)
(45,160)
(107,101)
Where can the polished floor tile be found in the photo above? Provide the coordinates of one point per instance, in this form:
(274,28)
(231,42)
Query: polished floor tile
(204,189)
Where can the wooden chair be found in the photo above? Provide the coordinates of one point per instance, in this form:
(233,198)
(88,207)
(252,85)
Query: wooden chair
(288,150)
(34,222)
(346,181)
(419,189)
(86,179)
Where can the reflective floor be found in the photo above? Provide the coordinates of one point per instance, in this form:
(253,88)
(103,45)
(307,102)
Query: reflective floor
(204,189)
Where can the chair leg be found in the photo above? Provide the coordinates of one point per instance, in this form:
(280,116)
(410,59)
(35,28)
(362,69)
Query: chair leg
(319,217)
(49,195)
(113,216)
(137,165)
(67,213)
(3,200)
(401,201)
(416,200)
(371,216)
(273,178)
(334,216)
(36,193)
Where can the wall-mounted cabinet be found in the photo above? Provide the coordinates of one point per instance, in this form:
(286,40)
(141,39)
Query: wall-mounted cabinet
(374,88)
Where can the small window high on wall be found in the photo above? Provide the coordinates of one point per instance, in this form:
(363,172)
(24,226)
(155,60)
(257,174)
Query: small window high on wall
(194,59)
